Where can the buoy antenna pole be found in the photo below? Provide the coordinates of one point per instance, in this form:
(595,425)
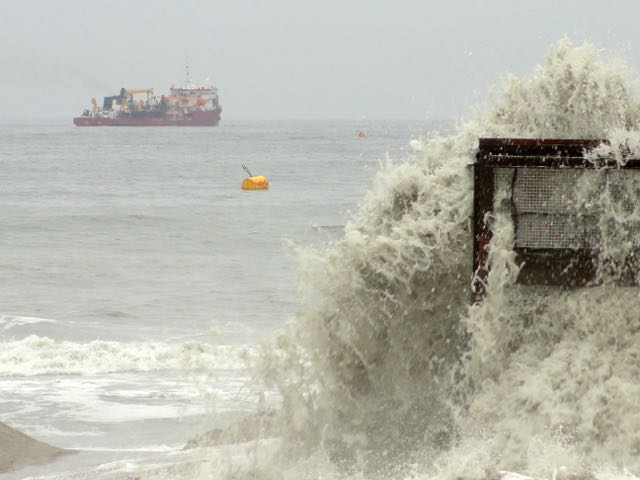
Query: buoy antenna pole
(246,169)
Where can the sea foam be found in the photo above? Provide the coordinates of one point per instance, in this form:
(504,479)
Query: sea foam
(35,355)
(389,372)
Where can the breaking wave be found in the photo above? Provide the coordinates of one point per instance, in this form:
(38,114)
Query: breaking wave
(389,372)
(35,355)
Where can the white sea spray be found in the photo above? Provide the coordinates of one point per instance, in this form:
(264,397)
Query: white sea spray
(389,372)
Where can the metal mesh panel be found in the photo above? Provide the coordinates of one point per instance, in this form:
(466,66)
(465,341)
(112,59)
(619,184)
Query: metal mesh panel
(556,231)
(576,220)
(547,209)
(539,190)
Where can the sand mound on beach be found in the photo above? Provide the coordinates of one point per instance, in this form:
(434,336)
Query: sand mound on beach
(19,450)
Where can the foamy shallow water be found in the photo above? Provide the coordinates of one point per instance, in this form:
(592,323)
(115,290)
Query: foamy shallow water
(210,462)
(105,416)
(120,411)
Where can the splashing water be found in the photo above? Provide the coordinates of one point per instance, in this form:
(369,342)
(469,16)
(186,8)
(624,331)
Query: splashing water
(388,372)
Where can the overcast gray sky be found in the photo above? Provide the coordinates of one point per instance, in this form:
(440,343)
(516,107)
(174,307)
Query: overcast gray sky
(292,58)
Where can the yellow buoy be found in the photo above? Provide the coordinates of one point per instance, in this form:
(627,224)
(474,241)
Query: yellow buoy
(255,183)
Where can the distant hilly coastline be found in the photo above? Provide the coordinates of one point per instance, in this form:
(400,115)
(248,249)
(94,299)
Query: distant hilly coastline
(19,450)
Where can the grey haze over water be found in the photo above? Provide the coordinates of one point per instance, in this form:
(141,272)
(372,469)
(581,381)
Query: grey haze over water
(291,59)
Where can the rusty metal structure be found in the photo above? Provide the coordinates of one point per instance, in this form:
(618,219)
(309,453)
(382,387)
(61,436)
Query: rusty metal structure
(555,242)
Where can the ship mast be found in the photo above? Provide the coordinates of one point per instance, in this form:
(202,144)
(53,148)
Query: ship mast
(187,82)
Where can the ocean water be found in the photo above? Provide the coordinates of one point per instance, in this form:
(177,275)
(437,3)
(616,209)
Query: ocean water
(137,277)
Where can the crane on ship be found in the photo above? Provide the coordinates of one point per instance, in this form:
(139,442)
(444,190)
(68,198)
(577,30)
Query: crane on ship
(148,91)
(126,98)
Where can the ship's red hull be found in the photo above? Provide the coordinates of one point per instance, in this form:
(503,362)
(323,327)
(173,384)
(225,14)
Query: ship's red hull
(207,118)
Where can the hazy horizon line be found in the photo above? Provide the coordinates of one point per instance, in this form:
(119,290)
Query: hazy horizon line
(65,119)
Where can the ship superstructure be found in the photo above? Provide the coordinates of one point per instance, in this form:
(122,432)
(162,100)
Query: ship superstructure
(186,105)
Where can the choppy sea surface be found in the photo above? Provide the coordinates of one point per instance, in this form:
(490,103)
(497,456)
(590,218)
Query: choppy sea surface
(136,274)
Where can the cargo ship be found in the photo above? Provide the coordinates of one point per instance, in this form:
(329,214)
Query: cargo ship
(188,105)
